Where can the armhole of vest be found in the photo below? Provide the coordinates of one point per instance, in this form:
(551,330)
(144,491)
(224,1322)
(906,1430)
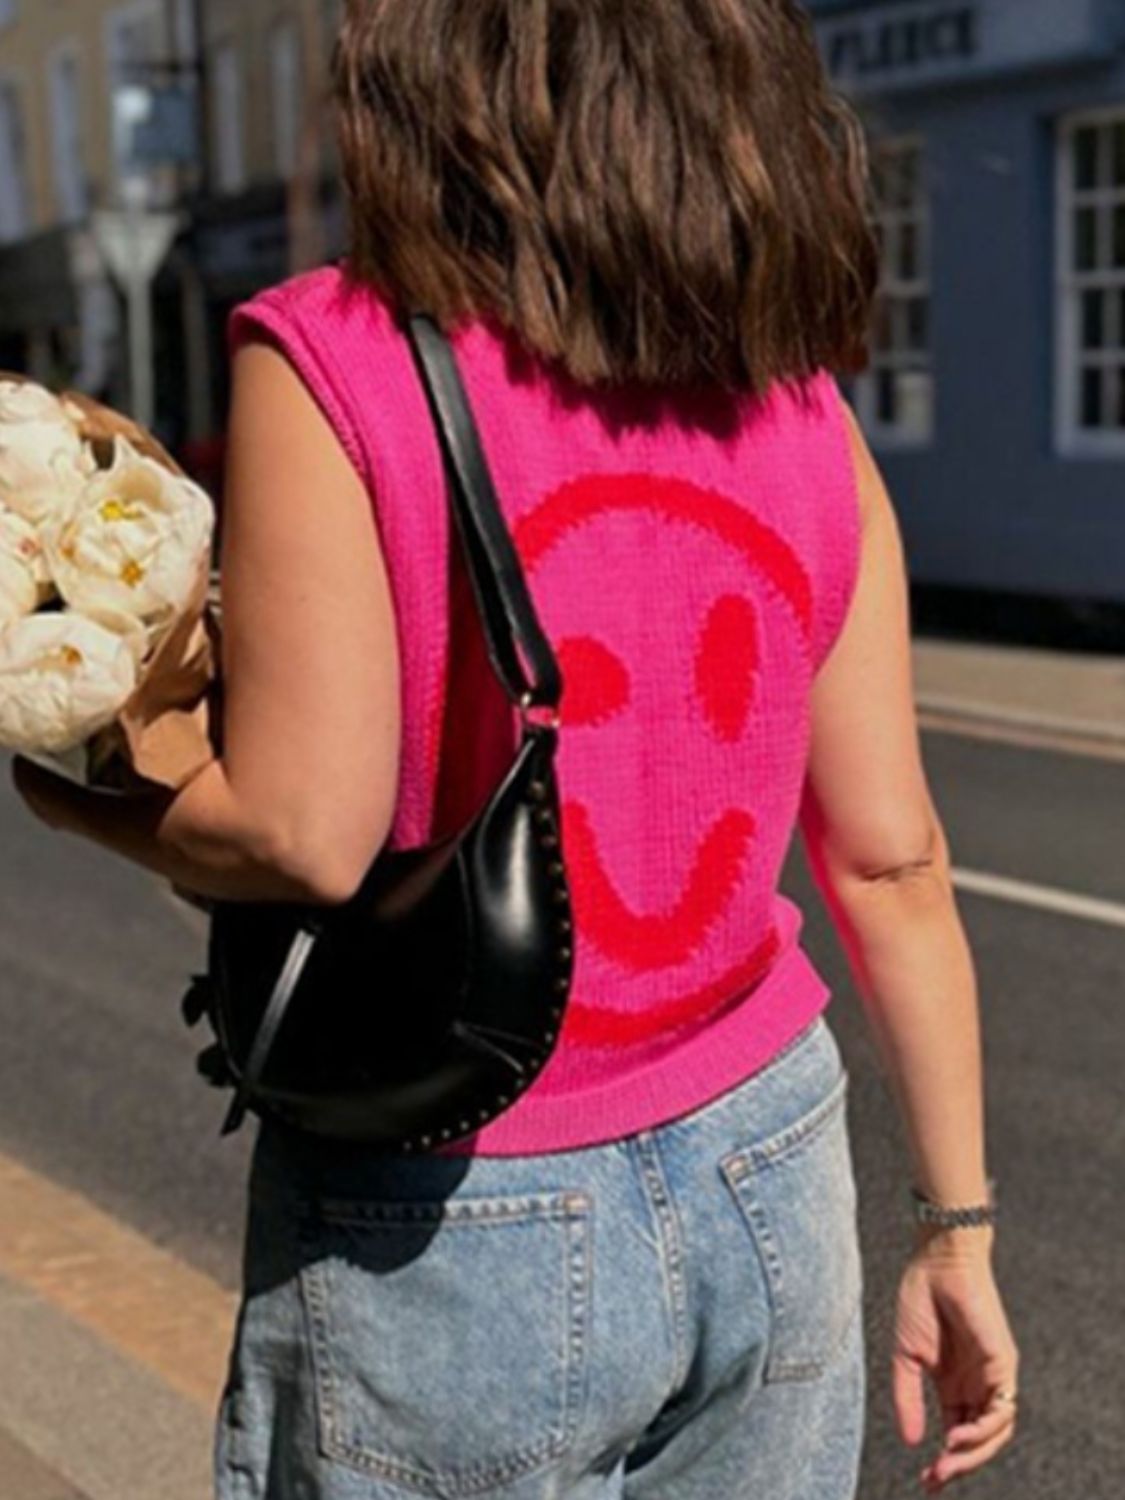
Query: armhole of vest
(851,527)
(264,318)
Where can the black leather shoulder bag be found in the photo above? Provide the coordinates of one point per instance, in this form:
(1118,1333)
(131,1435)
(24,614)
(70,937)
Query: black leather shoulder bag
(423,1006)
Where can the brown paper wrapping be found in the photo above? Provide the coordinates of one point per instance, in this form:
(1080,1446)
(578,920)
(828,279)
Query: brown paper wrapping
(171,726)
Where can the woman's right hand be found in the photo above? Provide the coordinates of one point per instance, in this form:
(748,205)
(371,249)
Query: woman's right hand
(950,1324)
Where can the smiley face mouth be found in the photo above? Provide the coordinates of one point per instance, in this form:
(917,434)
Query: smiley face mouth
(602,1026)
(645,941)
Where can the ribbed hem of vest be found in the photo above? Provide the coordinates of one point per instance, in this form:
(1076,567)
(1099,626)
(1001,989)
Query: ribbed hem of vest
(718,1059)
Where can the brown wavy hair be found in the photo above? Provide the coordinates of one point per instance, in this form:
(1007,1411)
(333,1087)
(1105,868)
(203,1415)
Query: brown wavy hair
(661,191)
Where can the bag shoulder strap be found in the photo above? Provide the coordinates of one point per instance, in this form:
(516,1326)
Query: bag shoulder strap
(503,601)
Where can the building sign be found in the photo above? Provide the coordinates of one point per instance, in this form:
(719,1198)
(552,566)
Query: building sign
(912,43)
(867,49)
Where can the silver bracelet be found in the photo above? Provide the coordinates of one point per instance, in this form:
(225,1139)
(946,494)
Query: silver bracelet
(926,1211)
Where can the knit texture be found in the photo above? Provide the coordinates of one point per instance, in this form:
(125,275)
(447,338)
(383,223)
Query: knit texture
(692,561)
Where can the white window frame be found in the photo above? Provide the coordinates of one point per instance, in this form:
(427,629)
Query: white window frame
(865,384)
(71,192)
(228,131)
(1072,439)
(23,222)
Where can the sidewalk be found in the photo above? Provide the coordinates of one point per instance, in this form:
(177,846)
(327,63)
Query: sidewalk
(1023,686)
(22,1474)
(114,1354)
(79,1420)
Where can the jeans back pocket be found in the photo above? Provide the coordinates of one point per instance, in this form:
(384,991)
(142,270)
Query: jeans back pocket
(448,1337)
(797,1193)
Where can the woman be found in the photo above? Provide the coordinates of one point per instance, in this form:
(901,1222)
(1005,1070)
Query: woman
(644,223)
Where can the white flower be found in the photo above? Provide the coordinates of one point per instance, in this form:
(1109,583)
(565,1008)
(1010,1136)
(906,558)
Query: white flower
(43,460)
(62,678)
(135,633)
(133,541)
(24,579)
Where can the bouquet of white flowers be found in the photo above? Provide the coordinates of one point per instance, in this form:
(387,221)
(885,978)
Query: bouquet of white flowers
(109,643)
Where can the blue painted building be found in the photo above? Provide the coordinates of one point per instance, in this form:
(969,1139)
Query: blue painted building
(996,400)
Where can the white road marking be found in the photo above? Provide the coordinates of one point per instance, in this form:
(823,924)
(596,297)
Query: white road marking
(98,1272)
(1021,718)
(972,723)
(1045,897)
(1024,739)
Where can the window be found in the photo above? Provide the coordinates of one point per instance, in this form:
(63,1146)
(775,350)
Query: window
(8,10)
(65,92)
(134,39)
(1091,283)
(15,205)
(285,96)
(895,397)
(228,124)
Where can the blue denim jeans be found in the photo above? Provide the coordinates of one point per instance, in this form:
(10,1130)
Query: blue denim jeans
(675,1315)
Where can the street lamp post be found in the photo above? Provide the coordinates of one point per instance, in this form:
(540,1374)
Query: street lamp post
(134,241)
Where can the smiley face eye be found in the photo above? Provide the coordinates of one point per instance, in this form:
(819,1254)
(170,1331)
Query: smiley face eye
(726,665)
(596,681)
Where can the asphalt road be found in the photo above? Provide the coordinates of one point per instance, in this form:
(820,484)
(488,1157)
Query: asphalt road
(98,1089)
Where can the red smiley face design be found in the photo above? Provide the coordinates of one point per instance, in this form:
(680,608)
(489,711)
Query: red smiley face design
(711,555)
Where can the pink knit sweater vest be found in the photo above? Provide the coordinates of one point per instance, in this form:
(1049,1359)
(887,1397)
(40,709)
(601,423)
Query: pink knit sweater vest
(692,562)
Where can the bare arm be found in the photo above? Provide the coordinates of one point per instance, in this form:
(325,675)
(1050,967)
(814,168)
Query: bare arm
(304,794)
(879,855)
(311,701)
